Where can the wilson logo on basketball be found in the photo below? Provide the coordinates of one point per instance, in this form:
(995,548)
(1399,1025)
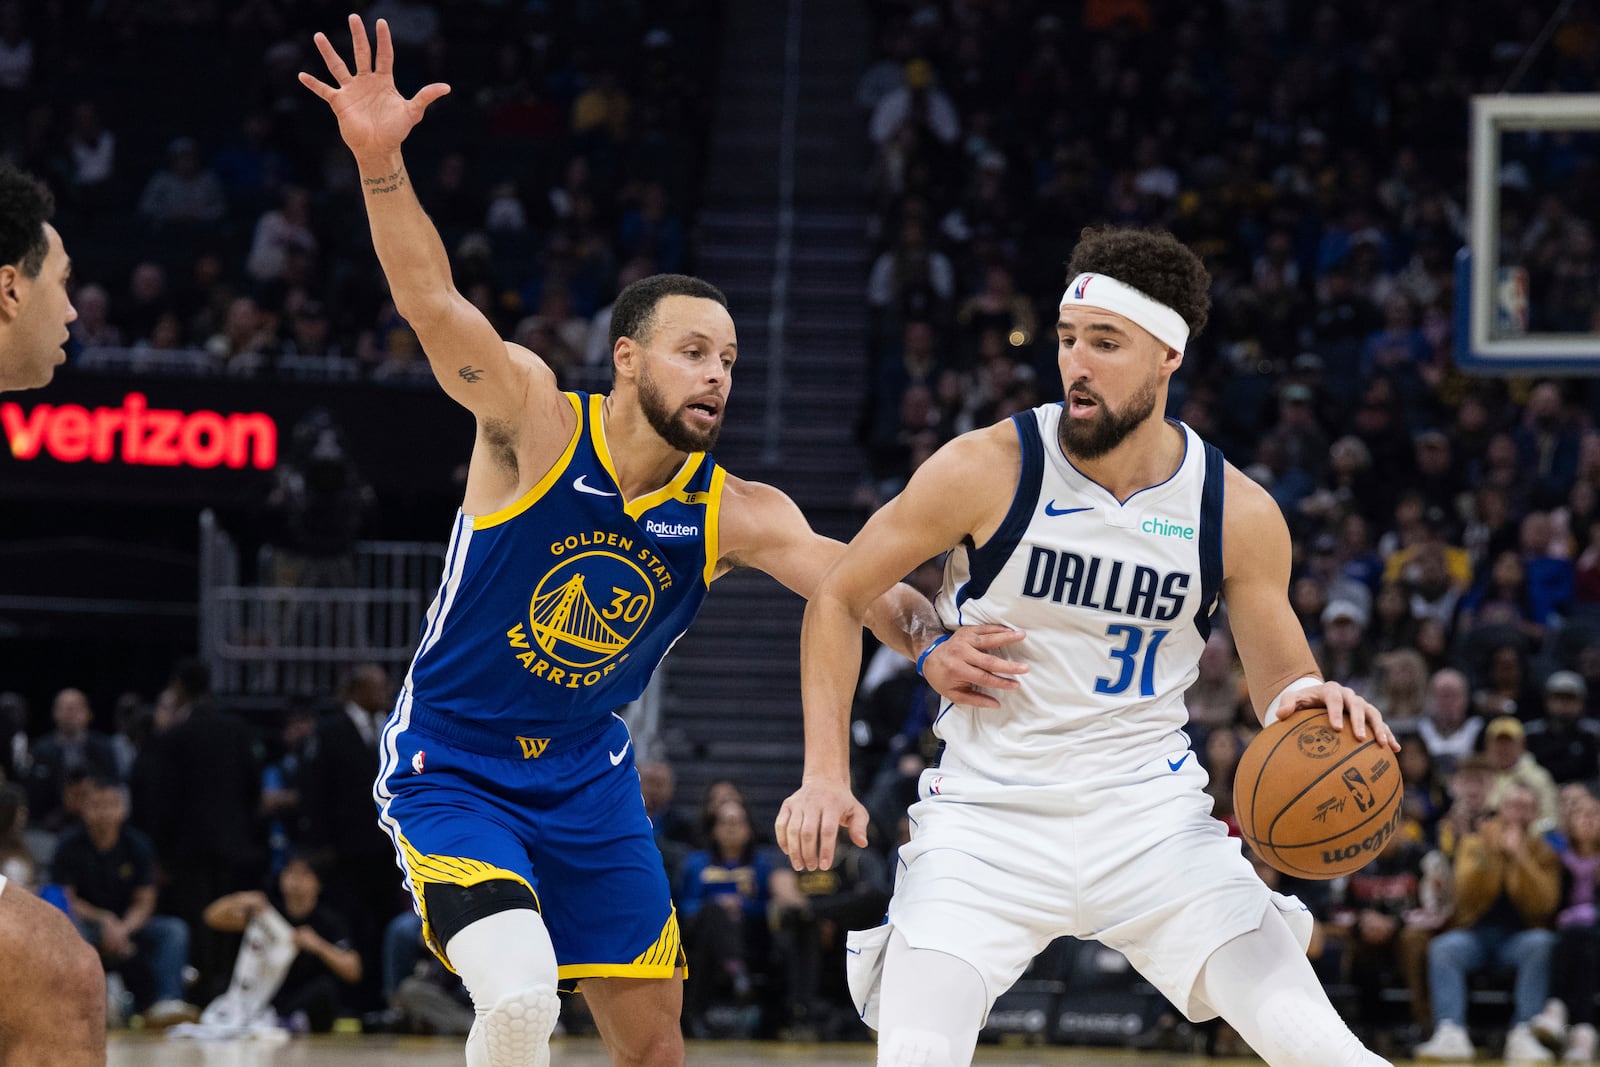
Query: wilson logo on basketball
(1318,741)
(140,435)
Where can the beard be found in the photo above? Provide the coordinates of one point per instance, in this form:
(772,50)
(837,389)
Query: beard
(1093,437)
(669,424)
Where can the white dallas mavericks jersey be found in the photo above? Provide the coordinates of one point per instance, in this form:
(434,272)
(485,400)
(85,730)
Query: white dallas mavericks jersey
(1116,600)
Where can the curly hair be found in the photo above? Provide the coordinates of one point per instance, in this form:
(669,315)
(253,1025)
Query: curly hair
(1151,261)
(25,204)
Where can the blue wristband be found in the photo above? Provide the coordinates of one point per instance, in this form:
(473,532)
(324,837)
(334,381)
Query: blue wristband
(922,658)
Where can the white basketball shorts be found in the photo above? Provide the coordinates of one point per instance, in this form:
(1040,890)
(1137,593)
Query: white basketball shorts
(993,873)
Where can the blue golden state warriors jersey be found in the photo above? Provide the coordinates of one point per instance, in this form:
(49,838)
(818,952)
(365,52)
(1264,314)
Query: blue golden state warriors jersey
(556,609)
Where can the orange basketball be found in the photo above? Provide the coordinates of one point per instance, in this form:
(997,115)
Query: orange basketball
(1313,801)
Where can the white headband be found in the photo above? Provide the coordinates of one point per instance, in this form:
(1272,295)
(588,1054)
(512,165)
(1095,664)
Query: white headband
(1101,291)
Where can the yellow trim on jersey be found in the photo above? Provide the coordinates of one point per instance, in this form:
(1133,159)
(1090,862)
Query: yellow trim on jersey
(531,497)
(713,516)
(448,870)
(663,959)
(673,488)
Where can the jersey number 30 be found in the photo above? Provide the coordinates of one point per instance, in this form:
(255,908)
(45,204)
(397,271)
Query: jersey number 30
(1128,657)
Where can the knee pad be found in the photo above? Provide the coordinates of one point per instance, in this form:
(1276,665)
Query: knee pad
(914,1048)
(453,908)
(516,1031)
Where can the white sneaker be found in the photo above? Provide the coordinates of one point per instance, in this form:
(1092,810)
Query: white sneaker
(1449,1042)
(1523,1047)
(1550,1025)
(1581,1044)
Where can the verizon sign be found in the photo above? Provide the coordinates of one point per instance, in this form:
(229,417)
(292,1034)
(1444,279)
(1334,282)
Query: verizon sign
(139,435)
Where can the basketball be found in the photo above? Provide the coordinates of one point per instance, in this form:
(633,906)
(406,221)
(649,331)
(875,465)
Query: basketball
(1313,801)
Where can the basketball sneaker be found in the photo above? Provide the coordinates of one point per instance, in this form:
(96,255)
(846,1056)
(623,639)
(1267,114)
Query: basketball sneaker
(1449,1042)
(1523,1047)
(1581,1044)
(1550,1025)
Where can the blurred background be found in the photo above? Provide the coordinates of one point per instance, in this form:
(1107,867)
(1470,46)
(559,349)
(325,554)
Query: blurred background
(887,190)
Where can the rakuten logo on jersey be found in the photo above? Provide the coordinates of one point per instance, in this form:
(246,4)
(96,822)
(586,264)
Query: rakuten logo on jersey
(140,435)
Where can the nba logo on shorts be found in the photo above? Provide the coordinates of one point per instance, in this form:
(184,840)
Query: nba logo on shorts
(416,761)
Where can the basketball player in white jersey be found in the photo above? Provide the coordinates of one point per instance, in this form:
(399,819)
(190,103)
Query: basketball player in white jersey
(1105,534)
(52,989)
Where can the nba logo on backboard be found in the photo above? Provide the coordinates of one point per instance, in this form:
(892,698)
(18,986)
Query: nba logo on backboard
(1511,302)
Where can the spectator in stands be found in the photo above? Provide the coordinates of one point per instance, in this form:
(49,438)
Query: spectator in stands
(17,864)
(1508,883)
(323,502)
(723,896)
(308,999)
(810,935)
(1568,1017)
(185,192)
(198,797)
(1402,687)
(1505,743)
(1564,742)
(1507,690)
(1425,798)
(94,328)
(917,103)
(336,796)
(1547,445)
(108,870)
(280,787)
(279,233)
(1213,699)
(15,758)
(1342,653)
(71,749)
(1501,599)
(1370,917)
(675,834)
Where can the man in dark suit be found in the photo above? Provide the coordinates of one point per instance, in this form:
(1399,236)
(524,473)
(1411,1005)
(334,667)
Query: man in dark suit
(341,825)
(71,751)
(198,794)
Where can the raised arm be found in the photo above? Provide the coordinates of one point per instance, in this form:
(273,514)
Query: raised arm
(1257,561)
(468,357)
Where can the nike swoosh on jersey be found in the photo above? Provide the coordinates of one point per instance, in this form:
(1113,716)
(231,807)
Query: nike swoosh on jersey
(1051,509)
(616,757)
(1174,765)
(582,486)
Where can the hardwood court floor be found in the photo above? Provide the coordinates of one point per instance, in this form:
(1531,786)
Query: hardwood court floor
(127,1051)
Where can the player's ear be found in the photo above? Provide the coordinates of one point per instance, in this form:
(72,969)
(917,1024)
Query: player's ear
(1171,360)
(10,292)
(624,354)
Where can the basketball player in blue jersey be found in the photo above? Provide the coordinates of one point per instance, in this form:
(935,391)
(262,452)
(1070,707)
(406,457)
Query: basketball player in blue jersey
(590,530)
(1105,534)
(52,988)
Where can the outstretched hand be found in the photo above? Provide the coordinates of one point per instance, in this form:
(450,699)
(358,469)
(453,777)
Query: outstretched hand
(963,666)
(373,117)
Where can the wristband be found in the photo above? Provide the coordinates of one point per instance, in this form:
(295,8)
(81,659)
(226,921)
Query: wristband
(1276,710)
(923,658)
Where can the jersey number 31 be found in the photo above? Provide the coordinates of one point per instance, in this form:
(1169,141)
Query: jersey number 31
(1128,657)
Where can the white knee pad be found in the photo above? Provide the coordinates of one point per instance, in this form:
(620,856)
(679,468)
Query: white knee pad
(516,1031)
(914,1048)
(509,967)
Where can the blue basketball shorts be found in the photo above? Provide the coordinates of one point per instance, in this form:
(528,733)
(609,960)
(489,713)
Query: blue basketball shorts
(564,817)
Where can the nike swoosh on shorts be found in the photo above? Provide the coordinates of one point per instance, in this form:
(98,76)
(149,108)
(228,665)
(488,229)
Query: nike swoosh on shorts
(616,757)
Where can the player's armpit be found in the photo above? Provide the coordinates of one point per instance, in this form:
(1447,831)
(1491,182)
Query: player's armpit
(1257,559)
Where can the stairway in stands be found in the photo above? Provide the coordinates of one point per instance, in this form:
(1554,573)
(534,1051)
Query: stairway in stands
(732,701)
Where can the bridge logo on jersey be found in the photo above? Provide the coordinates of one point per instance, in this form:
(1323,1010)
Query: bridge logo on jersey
(590,605)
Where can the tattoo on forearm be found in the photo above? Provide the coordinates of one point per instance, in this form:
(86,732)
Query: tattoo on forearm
(387,184)
(470,373)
